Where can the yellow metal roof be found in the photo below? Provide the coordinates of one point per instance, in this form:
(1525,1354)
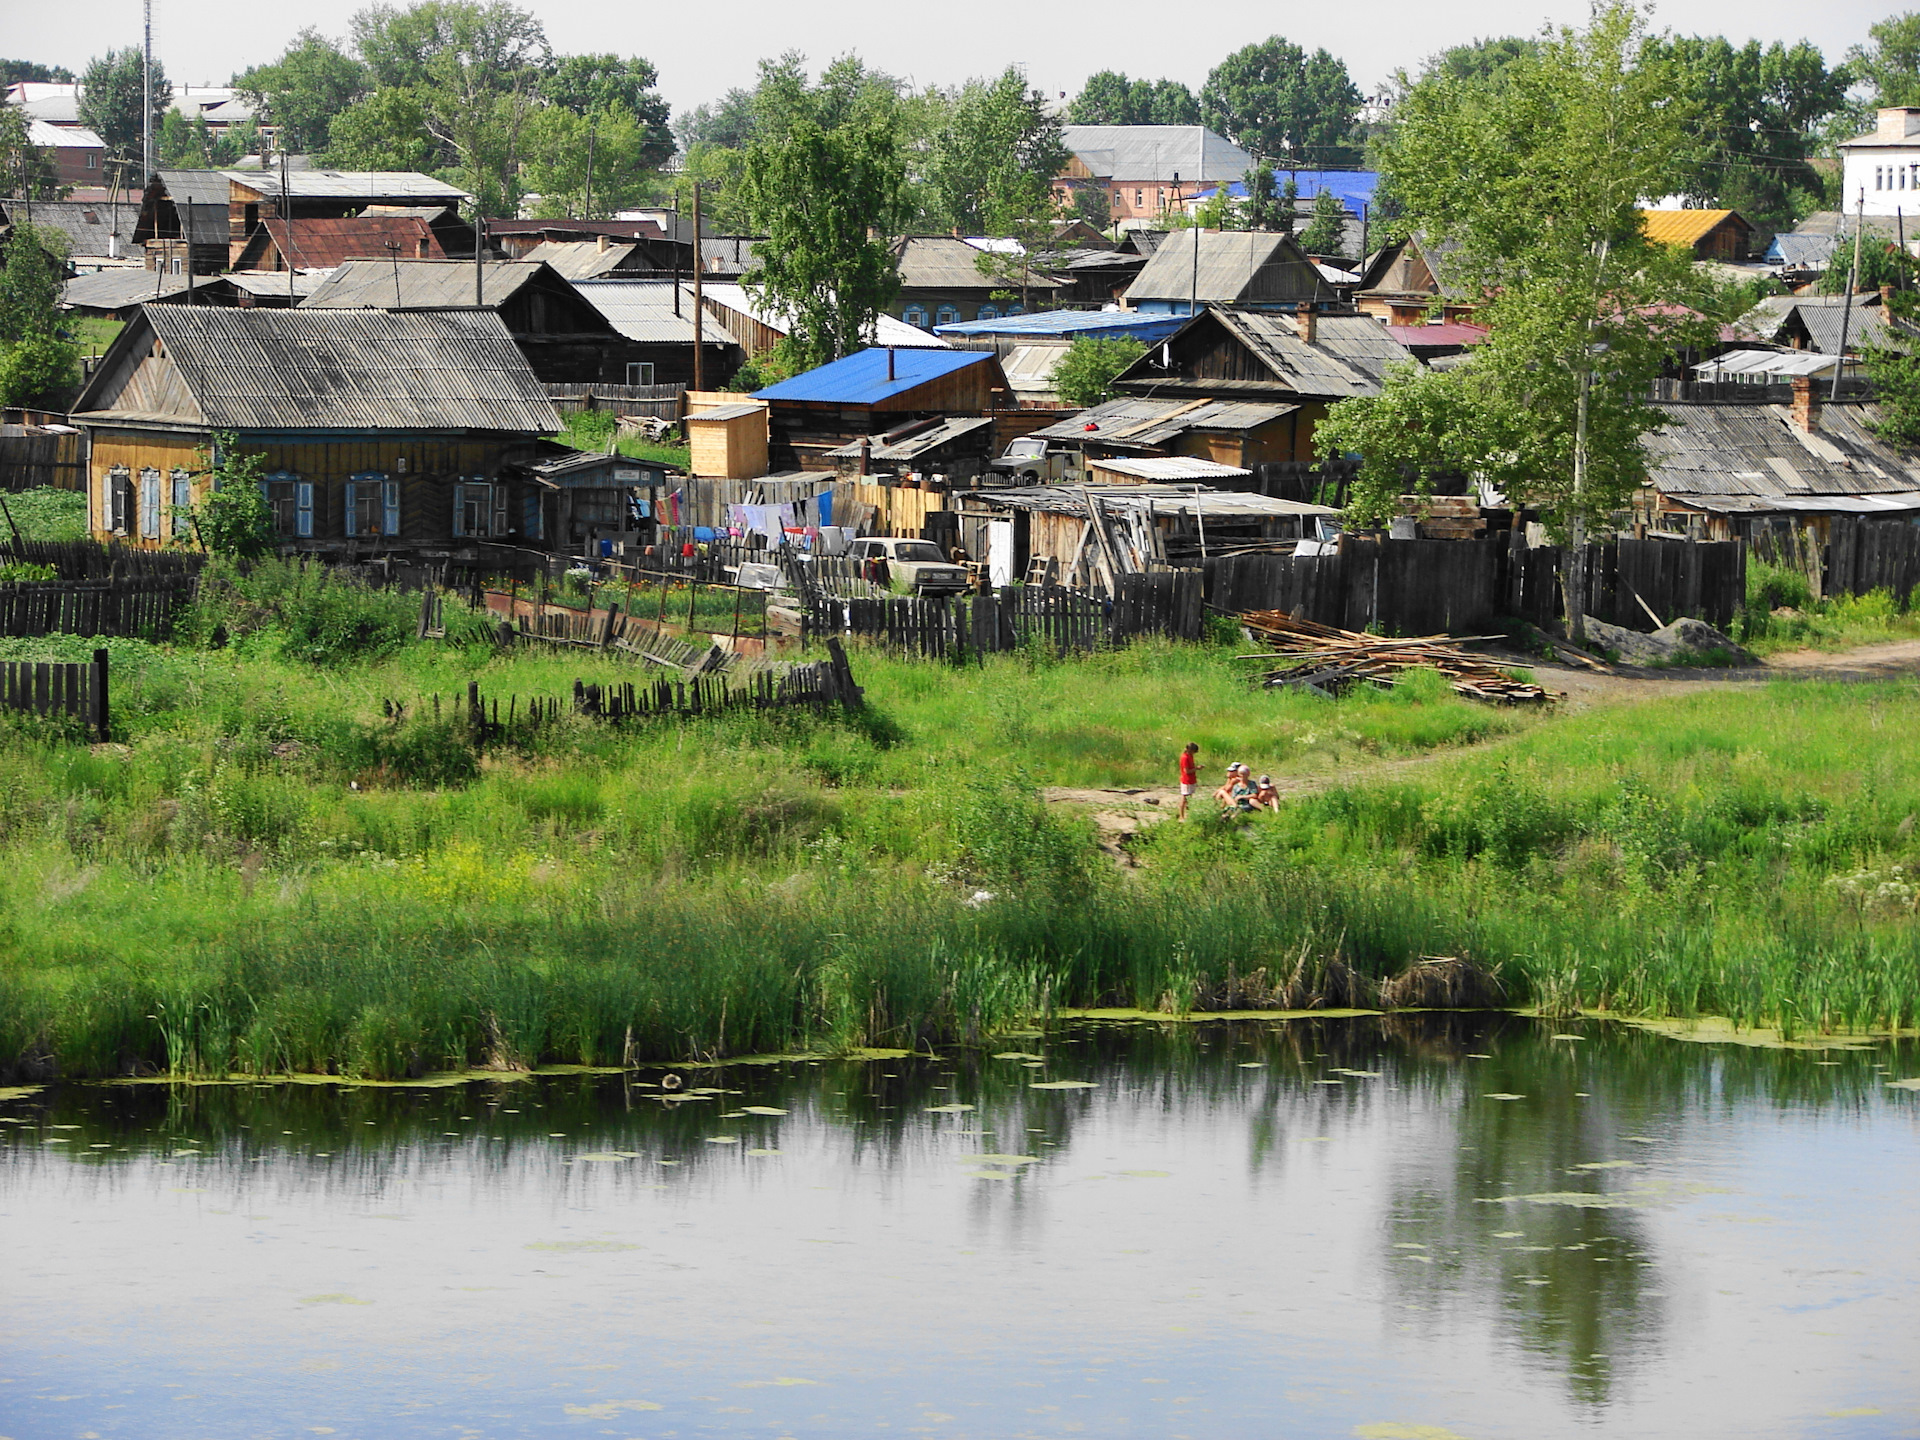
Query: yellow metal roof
(1681,227)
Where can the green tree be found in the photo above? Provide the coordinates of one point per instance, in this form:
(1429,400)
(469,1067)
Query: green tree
(234,518)
(1085,374)
(824,179)
(1535,189)
(35,356)
(111,100)
(313,81)
(1890,61)
(588,166)
(992,165)
(596,84)
(15,72)
(1110,98)
(386,131)
(726,122)
(27,170)
(1326,232)
(1263,199)
(1482,61)
(1279,102)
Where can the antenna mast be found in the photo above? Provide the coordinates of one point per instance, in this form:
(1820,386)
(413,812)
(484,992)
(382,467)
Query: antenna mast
(146,93)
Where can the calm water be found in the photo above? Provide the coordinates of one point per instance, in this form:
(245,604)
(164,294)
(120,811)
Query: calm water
(1402,1229)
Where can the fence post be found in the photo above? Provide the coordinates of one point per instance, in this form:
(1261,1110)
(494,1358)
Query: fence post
(97,695)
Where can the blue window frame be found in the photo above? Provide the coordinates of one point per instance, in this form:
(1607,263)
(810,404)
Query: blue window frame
(947,315)
(915,315)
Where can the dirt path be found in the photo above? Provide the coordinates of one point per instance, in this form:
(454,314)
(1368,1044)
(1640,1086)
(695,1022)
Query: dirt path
(1121,814)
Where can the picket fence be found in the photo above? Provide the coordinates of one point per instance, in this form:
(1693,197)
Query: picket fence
(41,687)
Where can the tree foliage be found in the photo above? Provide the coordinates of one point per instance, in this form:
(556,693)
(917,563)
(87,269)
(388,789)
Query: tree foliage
(825,181)
(1889,63)
(992,164)
(1281,103)
(1085,374)
(35,357)
(15,72)
(111,100)
(234,518)
(26,170)
(1534,186)
(1326,231)
(313,81)
(1110,98)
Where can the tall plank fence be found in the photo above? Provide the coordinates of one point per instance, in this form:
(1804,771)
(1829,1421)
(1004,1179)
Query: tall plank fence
(1162,603)
(656,402)
(145,607)
(1864,555)
(41,687)
(1422,587)
(33,461)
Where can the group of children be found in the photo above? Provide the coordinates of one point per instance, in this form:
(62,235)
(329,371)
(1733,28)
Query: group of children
(1239,792)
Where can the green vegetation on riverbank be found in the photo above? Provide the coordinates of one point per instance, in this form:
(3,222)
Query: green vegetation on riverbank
(267,872)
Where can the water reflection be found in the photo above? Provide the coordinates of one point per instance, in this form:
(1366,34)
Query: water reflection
(1481,1223)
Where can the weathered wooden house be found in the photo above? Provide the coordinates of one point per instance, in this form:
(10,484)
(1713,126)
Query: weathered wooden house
(1709,234)
(565,339)
(655,318)
(182,213)
(871,391)
(383,433)
(941,283)
(322,244)
(1239,433)
(1248,269)
(1406,281)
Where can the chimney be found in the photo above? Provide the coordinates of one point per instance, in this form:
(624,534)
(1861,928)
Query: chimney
(1886,294)
(603,244)
(1898,122)
(1806,405)
(866,451)
(890,362)
(1309,322)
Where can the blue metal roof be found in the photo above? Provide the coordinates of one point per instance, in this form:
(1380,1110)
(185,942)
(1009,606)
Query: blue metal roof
(861,378)
(1354,187)
(1073,324)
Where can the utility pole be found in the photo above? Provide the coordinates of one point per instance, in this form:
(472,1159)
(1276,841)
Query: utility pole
(699,360)
(286,214)
(146,93)
(1846,305)
(1577,561)
(479,253)
(593,134)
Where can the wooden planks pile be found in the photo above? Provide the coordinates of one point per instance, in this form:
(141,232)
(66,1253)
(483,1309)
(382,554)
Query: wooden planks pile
(1325,660)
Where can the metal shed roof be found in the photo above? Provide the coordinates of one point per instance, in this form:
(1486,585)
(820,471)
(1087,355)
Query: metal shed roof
(117,289)
(1235,267)
(1156,152)
(1151,423)
(942,262)
(914,446)
(727,412)
(1158,499)
(1167,468)
(305,369)
(643,311)
(369,185)
(581,259)
(1076,324)
(1757,450)
(1317,369)
(419,284)
(862,377)
(886,329)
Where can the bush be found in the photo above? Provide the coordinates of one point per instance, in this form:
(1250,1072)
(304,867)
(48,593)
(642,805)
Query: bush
(319,617)
(49,514)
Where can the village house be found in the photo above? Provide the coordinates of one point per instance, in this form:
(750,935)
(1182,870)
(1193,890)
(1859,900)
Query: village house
(1784,459)
(941,283)
(79,156)
(1251,269)
(1031,346)
(1814,322)
(116,294)
(656,319)
(323,244)
(758,329)
(1144,171)
(99,234)
(183,215)
(635,247)
(871,391)
(404,433)
(1405,283)
(564,337)
(1881,169)
(1709,234)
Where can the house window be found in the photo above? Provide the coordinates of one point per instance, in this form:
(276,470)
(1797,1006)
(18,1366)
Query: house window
(640,374)
(149,504)
(373,505)
(1139,199)
(987,312)
(116,500)
(1016,308)
(180,503)
(176,264)
(93,160)
(600,509)
(946,315)
(479,509)
(915,315)
(291,500)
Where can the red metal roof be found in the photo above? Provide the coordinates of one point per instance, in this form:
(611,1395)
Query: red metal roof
(1453,332)
(323,244)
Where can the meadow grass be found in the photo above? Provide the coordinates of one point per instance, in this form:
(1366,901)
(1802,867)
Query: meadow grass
(269,870)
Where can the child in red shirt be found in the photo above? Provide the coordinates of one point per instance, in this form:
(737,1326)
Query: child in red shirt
(1189,775)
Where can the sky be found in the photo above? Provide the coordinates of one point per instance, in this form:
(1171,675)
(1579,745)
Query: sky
(700,54)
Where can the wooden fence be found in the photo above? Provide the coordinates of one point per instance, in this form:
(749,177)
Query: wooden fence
(1864,555)
(142,606)
(29,462)
(817,684)
(656,402)
(90,560)
(47,688)
(1164,603)
(1423,587)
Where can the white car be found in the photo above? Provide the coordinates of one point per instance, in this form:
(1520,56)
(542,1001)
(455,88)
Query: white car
(912,566)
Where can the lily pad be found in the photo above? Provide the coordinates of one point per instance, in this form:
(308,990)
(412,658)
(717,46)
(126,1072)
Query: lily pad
(1017,1055)
(948,1109)
(601,1155)
(1913,1084)
(1149,1174)
(723,1139)
(761,1110)
(763,1152)
(1502,1095)
(609,1409)
(1063,1085)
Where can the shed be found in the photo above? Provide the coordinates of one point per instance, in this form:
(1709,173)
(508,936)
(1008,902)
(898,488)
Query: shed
(727,440)
(955,446)
(837,403)
(1227,432)
(1709,234)
(590,497)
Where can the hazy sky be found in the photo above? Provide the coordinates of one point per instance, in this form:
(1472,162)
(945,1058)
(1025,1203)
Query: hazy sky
(702,52)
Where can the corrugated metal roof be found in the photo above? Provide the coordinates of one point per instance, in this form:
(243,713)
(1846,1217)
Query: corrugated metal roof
(1360,342)
(1156,152)
(323,244)
(1766,363)
(727,412)
(886,329)
(1237,267)
(1756,450)
(1031,367)
(581,259)
(642,310)
(274,282)
(1169,468)
(369,185)
(1801,252)
(1131,422)
(62,137)
(200,200)
(1453,332)
(1312,369)
(942,262)
(1903,502)
(1684,227)
(419,284)
(304,369)
(862,377)
(117,289)
(1158,499)
(87,224)
(1091,324)
(914,446)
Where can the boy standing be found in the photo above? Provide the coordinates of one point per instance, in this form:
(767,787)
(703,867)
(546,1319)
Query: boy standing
(1189,775)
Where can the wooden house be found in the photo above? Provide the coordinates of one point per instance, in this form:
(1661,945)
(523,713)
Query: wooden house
(1248,269)
(182,214)
(1709,234)
(941,283)
(581,501)
(1407,281)
(388,433)
(1237,433)
(323,244)
(656,319)
(564,337)
(871,391)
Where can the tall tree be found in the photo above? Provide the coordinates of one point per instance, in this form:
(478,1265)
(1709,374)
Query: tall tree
(34,356)
(1110,98)
(26,170)
(992,165)
(1326,232)
(313,80)
(111,100)
(1534,187)
(589,166)
(385,131)
(13,72)
(824,179)
(588,85)
(1283,104)
(1890,61)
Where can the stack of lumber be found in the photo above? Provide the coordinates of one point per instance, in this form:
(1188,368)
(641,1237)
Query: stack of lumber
(1324,659)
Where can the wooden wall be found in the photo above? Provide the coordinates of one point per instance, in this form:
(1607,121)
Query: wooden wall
(733,449)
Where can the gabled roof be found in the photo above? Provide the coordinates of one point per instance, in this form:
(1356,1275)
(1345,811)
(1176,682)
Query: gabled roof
(117,289)
(323,244)
(886,330)
(1431,254)
(372,186)
(199,196)
(1745,457)
(1148,424)
(564,228)
(582,259)
(1797,251)
(1072,324)
(1236,267)
(62,137)
(87,224)
(418,284)
(1156,152)
(1310,369)
(1686,227)
(643,311)
(862,377)
(942,262)
(300,369)
(1783,317)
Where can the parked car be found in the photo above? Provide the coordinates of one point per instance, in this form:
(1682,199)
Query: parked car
(1027,462)
(911,566)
